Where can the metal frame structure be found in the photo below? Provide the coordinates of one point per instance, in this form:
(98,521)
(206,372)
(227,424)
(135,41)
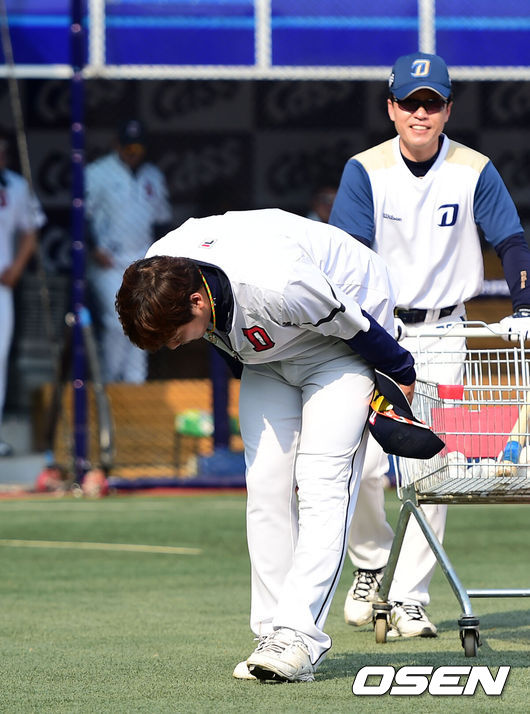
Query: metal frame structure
(435,482)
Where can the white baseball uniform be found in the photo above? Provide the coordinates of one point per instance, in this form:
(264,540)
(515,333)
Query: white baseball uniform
(425,228)
(299,290)
(123,207)
(19,211)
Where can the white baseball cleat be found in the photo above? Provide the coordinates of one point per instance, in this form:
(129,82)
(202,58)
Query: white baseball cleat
(410,620)
(361,595)
(241,672)
(283,656)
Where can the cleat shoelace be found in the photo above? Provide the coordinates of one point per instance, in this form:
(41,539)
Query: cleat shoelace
(413,611)
(365,581)
(274,643)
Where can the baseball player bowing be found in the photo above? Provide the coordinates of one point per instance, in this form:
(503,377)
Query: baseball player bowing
(418,201)
(307,314)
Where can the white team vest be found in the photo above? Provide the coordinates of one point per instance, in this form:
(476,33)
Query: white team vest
(425,227)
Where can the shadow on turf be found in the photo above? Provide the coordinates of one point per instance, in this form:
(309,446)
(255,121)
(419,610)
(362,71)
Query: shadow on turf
(507,626)
(341,665)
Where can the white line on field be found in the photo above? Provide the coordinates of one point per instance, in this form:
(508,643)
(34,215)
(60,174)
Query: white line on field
(127,547)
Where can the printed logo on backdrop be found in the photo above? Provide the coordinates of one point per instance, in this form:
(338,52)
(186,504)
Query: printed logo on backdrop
(54,175)
(203,162)
(49,103)
(172,99)
(297,170)
(413,681)
(514,167)
(56,247)
(310,104)
(505,104)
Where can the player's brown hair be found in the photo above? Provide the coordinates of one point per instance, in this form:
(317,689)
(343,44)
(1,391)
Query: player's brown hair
(154,299)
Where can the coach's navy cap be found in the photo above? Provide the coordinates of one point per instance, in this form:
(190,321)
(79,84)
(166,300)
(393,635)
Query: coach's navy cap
(419,71)
(132,132)
(394,426)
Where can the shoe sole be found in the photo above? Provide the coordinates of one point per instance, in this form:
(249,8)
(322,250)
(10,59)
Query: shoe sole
(264,673)
(423,633)
(358,623)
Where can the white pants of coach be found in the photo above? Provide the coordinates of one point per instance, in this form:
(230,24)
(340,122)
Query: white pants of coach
(303,423)
(371,536)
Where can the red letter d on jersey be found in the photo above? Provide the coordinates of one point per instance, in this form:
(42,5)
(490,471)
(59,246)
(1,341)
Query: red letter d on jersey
(258,338)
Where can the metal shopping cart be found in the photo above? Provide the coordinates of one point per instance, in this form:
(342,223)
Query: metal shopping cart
(483,417)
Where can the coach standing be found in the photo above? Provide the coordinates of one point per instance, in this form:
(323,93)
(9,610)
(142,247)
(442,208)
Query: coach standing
(126,197)
(20,218)
(418,200)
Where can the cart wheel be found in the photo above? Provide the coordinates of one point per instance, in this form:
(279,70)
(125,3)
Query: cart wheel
(469,642)
(381,628)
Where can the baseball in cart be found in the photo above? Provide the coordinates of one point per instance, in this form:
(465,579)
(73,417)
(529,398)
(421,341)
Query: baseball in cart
(477,399)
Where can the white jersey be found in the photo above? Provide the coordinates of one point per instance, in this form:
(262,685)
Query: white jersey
(123,206)
(19,211)
(294,281)
(425,228)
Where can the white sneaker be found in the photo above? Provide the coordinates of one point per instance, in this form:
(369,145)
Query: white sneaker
(361,595)
(410,620)
(241,671)
(282,656)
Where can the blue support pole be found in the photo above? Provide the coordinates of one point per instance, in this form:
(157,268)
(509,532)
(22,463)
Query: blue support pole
(77,47)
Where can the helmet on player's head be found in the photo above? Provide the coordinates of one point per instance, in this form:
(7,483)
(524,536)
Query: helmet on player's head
(394,426)
(419,71)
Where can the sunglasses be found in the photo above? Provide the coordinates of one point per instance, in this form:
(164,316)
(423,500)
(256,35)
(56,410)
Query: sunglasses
(431,106)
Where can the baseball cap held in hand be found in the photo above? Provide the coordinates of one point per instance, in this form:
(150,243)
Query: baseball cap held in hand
(419,71)
(394,426)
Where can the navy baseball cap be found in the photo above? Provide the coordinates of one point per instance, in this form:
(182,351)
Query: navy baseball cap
(419,71)
(132,132)
(394,426)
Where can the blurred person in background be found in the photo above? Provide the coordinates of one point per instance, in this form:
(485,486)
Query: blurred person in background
(322,202)
(127,208)
(21,217)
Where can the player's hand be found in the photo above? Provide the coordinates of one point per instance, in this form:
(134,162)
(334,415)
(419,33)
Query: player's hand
(9,277)
(517,325)
(102,258)
(399,329)
(408,390)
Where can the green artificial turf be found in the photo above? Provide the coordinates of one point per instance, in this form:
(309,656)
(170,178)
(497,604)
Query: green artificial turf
(88,630)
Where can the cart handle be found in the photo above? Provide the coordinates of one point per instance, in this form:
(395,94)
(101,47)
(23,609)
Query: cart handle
(459,329)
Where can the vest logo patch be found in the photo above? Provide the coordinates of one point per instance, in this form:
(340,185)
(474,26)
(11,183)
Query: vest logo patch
(449,213)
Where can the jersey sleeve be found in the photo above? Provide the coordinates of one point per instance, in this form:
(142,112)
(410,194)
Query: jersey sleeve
(494,209)
(353,209)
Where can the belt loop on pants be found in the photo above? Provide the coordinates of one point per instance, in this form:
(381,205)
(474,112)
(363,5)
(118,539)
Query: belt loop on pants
(412,315)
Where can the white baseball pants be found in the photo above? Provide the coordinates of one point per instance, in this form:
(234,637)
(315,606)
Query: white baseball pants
(370,537)
(303,425)
(121,360)
(6,334)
